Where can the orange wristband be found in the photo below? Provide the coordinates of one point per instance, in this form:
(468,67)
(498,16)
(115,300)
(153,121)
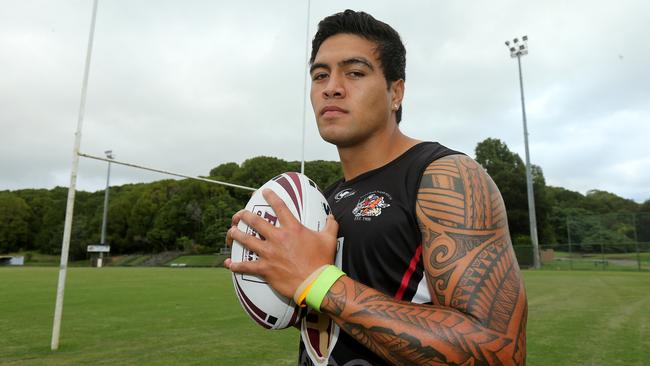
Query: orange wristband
(303,296)
(301,292)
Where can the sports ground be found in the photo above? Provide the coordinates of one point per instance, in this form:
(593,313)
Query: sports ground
(190,316)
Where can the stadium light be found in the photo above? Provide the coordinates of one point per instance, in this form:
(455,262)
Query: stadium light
(519,48)
(109,155)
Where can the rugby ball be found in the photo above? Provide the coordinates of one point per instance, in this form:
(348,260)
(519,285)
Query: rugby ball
(305,201)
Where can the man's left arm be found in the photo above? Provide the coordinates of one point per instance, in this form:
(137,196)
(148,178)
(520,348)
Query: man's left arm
(478,316)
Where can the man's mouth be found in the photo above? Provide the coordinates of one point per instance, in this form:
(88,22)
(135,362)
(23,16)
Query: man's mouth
(332,111)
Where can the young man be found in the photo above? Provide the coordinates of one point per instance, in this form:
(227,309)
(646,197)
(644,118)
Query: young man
(430,274)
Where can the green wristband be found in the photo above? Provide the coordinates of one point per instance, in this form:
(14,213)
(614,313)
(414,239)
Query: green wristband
(321,285)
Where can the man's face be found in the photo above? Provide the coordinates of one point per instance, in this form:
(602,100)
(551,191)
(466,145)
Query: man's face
(349,94)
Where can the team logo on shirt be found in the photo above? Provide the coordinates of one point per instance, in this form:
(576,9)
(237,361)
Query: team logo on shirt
(371,205)
(348,192)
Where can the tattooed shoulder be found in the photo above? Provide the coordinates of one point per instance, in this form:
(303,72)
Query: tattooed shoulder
(468,255)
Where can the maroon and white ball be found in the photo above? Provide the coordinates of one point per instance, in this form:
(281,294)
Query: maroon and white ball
(305,201)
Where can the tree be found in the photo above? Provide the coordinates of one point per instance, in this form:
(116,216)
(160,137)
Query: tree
(79,237)
(612,241)
(323,173)
(143,213)
(645,206)
(224,171)
(169,221)
(543,207)
(39,202)
(119,211)
(257,171)
(217,213)
(509,173)
(15,216)
(157,216)
(605,202)
(564,198)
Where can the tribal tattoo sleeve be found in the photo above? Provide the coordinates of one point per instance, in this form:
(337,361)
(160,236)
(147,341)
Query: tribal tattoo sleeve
(479,310)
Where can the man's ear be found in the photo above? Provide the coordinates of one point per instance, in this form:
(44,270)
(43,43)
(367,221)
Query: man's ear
(397,92)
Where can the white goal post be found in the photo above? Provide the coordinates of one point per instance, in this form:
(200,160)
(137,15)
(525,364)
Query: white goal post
(67,229)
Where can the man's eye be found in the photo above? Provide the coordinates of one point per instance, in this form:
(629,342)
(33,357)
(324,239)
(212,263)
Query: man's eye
(356,74)
(319,76)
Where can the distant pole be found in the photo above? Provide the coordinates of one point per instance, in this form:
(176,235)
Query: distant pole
(304,92)
(67,228)
(568,234)
(636,243)
(519,49)
(109,155)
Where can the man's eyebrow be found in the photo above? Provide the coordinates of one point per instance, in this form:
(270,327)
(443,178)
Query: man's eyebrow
(346,62)
(356,60)
(318,65)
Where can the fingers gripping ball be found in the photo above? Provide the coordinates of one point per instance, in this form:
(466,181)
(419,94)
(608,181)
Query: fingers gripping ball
(307,204)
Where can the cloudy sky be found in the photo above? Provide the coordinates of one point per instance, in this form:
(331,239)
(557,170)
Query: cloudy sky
(187,85)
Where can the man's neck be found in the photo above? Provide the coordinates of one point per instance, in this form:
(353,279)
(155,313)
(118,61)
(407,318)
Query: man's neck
(374,153)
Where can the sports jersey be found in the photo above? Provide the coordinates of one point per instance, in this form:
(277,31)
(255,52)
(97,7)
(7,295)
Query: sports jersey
(379,238)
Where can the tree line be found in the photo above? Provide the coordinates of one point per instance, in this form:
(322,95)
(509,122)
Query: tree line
(563,216)
(193,216)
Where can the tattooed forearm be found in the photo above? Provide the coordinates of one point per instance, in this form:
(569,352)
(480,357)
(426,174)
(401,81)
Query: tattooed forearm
(335,301)
(479,310)
(397,348)
(406,333)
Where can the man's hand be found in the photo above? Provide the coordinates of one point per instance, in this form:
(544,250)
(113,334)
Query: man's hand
(289,253)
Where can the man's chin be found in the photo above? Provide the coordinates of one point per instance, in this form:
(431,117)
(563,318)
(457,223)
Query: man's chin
(340,141)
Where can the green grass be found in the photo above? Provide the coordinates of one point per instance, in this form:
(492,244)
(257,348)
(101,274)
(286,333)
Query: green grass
(199,260)
(133,316)
(130,260)
(138,260)
(119,260)
(588,318)
(164,316)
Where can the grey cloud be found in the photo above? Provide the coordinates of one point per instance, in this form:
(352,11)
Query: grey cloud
(187,85)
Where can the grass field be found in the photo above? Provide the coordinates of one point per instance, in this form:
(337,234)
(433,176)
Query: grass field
(190,316)
(130,260)
(199,260)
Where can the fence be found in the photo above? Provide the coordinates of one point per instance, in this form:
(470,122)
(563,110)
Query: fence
(615,241)
(599,257)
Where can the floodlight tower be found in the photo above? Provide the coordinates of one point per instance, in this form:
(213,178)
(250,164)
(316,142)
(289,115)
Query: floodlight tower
(519,48)
(109,155)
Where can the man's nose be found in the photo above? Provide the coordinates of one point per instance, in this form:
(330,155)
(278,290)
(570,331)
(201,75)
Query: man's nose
(334,88)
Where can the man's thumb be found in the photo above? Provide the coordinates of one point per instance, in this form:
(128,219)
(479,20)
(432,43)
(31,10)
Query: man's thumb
(331,226)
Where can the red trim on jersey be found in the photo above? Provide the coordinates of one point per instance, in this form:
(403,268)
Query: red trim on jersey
(409,272)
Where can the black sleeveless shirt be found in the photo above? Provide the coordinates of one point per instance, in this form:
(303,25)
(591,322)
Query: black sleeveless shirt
(380,238)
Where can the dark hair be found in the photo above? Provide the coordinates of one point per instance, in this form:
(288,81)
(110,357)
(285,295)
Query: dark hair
(391,51)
